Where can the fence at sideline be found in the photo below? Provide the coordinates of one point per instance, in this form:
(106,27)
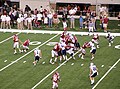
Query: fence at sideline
(56,32)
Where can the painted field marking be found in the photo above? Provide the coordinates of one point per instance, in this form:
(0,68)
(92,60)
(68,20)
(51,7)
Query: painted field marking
(53,71)
(106,73)
(8,39)
(27,53)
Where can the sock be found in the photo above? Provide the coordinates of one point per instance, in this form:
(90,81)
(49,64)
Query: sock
(51,60)
(60,59)
(64,57)
(97,46)
(55,59)
(82,57)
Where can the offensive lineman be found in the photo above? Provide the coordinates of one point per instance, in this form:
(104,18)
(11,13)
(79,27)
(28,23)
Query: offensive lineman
(37,55)
(93,72)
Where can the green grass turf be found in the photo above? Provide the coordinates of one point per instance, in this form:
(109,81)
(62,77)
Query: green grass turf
(4,36)
(24,75)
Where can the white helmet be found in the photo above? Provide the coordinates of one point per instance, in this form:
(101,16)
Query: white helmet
(91,64)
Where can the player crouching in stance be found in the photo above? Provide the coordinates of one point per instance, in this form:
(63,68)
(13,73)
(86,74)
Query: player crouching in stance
(55,79)
(83,52)
(25,45)
(37,55)
(95,39)
(55,53)
(93,72)
(16,43)
(110,38)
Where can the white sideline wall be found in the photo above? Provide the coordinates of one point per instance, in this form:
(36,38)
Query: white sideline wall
(34,4)
(56,32)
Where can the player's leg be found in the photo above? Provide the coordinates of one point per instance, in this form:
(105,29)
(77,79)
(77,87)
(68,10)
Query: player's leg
(53,55)
(83,52)
(92,80)
(18,47)
(93,53)
(14,47)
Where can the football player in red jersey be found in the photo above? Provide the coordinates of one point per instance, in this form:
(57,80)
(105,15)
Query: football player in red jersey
(55,79)
(55,53)
(83,52)
(25,45)
(16,43)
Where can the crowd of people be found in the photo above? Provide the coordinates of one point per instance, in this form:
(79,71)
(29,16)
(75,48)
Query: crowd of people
(37,18)
(27,18)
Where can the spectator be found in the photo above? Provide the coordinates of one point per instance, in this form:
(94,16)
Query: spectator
(65,12)
(56,20)
(35,11)
(8,19)
(94,23)
(72,21)
(27,8)
(50,19)
(19,23)
(39,17)
(64,25)
(105,23)
(29,20)
(46,20)
(64,18)
(22,22)
(81,21)
(91,26)
(3,19)
(41,10)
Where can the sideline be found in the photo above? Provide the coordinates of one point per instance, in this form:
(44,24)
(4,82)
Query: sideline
(53,71)
(106,73)
(8,39)
(27,54)
(56,32)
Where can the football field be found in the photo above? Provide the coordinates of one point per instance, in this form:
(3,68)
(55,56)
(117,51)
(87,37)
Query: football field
(18,72)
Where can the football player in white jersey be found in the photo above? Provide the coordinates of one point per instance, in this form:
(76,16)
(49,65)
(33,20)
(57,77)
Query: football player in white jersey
(37,55)
(55,79)
(93,72)
(93,49)
(110,38)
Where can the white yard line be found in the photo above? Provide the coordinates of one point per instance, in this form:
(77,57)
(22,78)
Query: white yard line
(27,53)
(53,71)
(7,39)
(106,74)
